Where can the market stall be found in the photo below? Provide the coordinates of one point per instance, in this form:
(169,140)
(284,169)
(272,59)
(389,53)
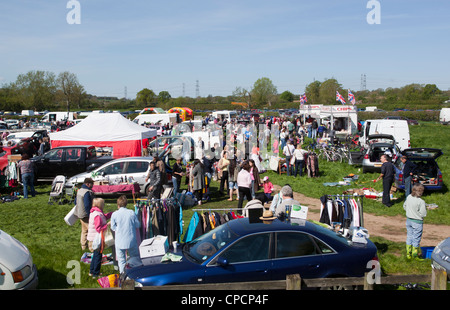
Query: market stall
(105,130)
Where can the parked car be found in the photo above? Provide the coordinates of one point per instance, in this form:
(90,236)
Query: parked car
(174,145)
(427,171)
(17,271)
(378,145)
(67,161)
(242,250)
(410,121)
(5,152)
(135,168)
(441,255)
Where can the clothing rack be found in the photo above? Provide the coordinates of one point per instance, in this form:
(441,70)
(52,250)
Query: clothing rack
(220,209)
(360,204)
(159,217)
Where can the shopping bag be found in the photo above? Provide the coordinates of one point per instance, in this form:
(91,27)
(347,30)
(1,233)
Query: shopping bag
(97,242)
(109,281)
(109,238)
(71,218)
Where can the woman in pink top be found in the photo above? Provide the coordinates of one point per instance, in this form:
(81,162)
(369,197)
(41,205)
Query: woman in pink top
(97,224)
(244,182)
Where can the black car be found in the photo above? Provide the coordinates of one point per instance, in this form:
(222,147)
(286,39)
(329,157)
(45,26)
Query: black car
(67,161)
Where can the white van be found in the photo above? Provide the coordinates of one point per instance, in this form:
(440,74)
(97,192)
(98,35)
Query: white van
(57,116)
(222,115)
(444,116)
(166,118)
(397,128)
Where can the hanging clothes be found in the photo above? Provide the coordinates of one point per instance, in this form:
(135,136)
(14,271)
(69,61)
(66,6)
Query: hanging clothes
(160,217)
(345,210)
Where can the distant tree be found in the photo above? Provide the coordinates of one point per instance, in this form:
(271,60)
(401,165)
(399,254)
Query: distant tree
(328,90)
(72,91)
(430,90)
(287,96)
(36,89)
(243,95)
(264,92)
(312,92)
(145,98)
(164,96)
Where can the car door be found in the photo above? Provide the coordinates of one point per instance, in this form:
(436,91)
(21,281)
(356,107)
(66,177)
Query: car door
(137,171)
(247,259)
(113,171)
(296,253)
(74,162)
(51,163)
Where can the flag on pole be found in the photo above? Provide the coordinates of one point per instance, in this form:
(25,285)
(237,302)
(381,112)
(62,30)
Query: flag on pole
(351,97)
(340,98)
(303,99)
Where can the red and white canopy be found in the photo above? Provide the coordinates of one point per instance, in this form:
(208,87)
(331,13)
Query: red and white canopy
(105,130)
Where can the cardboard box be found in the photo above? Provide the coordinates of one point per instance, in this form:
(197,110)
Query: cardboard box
(299,212)
(155,246)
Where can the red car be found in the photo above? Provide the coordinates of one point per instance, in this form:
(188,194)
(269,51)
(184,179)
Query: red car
(24,146)
(4,157)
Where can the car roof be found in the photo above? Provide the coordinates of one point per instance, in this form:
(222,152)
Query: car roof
(135,158)
(245,225)
(422,153)
(381,136)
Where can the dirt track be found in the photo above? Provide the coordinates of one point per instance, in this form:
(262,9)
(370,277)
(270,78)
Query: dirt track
(389,227)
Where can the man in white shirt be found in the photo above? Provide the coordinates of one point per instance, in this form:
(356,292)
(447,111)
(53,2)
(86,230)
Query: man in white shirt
(288,151)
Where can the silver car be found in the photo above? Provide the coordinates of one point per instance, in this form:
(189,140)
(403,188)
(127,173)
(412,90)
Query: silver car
(133,169)
(379,144)
(17,271)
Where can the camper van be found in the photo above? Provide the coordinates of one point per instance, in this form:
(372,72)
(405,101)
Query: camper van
(444,116)
(57,116)
(166,118)
(397,128)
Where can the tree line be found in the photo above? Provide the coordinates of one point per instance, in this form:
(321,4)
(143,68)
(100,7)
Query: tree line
(43,90)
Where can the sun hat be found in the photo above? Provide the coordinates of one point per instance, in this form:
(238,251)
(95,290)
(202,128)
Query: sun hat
(266,178)
(267,216)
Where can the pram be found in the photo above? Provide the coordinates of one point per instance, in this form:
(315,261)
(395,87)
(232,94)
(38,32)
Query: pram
(57,190)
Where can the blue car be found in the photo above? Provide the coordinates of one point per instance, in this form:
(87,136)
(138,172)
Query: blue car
(427,171)
(242,250)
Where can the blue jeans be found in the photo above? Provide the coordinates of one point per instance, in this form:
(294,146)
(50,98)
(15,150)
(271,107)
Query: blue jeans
(96,263)
(408,185)
(134,258)
(298,167)
(28,180)
(413,232)
(176,186)
(288,165)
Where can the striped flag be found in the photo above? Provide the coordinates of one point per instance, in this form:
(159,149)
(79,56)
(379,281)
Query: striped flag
(303,99)
(340,98)
(351,97)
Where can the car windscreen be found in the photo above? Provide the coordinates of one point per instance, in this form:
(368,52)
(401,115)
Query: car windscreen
(202,248)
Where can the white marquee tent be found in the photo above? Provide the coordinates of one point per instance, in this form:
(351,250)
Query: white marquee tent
(105,130)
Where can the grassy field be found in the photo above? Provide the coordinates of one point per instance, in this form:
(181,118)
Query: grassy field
(55,245)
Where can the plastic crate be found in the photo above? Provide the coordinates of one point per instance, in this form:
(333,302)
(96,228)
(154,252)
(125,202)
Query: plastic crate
(426,251)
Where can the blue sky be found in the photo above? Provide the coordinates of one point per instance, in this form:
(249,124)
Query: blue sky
(227,44)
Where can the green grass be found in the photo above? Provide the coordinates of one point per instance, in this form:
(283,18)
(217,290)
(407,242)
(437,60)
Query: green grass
(53,244)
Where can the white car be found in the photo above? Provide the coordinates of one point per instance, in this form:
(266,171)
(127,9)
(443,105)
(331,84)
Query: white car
(133,168)
(17,271)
